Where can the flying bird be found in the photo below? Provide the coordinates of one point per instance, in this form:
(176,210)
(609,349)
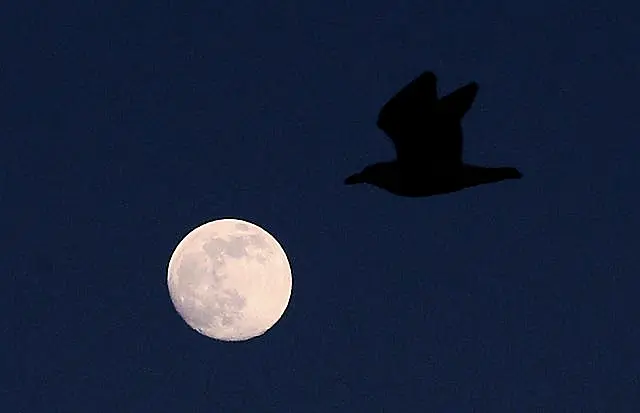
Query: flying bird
(427,135)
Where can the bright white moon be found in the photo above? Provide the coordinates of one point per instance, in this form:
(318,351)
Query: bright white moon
(229,280)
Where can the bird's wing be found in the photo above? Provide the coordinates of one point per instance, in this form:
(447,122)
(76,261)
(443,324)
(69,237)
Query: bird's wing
(458,102)
(429,132)
(447,146)
(446,139)
(409,104)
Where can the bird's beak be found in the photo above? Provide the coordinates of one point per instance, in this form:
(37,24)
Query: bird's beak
(354,179)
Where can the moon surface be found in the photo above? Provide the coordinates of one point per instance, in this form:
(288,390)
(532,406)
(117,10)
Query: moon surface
(229,280)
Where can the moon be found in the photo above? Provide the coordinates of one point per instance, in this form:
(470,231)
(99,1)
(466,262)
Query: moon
(229,280)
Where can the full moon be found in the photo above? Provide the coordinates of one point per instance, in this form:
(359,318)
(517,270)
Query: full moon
(229,280)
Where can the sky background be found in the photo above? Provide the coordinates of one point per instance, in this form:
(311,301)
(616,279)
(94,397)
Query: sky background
(124,125)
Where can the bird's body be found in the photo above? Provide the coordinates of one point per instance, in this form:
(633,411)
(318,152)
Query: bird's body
(427,135)
(409,181)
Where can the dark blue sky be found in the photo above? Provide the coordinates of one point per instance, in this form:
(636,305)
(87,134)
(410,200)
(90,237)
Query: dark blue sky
(126,125)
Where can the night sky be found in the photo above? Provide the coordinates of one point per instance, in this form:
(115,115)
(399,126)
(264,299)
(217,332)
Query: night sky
(124,125)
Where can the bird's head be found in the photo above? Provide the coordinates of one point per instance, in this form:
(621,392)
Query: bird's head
(373,174)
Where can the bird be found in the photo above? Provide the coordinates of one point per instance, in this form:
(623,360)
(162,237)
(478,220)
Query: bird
(427,135)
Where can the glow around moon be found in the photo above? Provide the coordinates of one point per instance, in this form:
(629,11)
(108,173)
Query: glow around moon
(229,280)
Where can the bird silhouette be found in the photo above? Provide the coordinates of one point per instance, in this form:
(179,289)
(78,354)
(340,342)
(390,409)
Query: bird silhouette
(427,135)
